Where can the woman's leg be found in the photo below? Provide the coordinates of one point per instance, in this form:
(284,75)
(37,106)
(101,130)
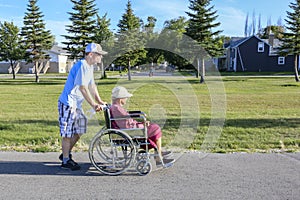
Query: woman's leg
(158,146)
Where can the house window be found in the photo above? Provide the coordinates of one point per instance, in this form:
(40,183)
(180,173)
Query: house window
(260,47)
(281,60)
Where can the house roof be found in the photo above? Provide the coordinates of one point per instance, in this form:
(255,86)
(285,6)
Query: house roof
(58,50)
(242,40)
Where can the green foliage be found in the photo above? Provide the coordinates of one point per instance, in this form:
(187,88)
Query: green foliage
(104,37)
(11,49)
(276,30)
(130,42)
(172,38)
(35,37)
(291,39)
(81,31)
(201,25)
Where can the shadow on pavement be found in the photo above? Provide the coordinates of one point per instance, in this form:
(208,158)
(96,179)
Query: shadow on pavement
(50,168)
(44,168)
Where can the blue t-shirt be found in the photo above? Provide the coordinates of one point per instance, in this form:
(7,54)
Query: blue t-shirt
(80,74)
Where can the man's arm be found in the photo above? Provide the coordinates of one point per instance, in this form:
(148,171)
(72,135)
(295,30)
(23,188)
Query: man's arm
(87,95)
(95,94)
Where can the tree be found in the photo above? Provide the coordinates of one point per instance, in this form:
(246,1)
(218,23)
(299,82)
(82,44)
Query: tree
(291,39)
(153,53)
(246,26)
(36,38)
(259,28)
(81,31)
(130,41)
(171,38)
(201,29)
(11,49)
(104,37)
(253,23)
(276,30)
(149,27)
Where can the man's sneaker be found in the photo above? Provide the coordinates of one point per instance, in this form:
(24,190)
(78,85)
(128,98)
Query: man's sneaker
(166,162)
(71,164)
(61,157)
(166,153)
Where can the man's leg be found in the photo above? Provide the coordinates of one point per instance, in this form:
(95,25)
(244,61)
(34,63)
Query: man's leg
(74,140)
(68,163)
(66,146)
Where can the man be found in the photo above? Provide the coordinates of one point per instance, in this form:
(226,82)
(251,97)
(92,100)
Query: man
(80,86)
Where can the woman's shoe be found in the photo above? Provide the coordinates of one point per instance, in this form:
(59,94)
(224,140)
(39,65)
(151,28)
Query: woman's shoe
(165,162)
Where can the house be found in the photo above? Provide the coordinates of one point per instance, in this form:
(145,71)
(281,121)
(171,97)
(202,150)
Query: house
(58,63)
(58,59)
(253,54)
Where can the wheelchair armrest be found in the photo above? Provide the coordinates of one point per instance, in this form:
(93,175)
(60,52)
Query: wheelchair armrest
(135,111)
(137,114)
(140,115)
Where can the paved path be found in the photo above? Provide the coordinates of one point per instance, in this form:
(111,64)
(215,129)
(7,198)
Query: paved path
(194,176)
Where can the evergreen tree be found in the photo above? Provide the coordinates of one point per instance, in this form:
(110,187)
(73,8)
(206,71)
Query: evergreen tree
(200,28)
(11,49)
(149,27)
(104,37)
(36,38)
(291,39)
(81,31)
(130,41)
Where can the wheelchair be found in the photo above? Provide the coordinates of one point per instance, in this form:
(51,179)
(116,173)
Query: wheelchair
(114,151)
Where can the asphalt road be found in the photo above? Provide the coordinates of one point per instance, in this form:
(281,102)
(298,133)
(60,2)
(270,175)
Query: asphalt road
(194,176)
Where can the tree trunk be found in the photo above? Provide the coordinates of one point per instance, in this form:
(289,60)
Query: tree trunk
(198,68)
(129,74)
(37,79)
(203,71)
(296,68)
(12,69)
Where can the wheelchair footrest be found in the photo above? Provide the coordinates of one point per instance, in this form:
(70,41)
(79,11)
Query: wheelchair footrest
(140,140)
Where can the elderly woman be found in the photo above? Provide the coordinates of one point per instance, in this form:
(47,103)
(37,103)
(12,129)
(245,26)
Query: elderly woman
(119,98)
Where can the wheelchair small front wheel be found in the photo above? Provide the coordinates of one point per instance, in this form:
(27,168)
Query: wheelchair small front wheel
(143,167)
(141,155)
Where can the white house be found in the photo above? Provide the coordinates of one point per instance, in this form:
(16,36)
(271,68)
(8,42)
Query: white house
(60,56)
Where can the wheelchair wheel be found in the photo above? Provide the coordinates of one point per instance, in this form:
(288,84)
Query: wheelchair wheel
(143,167)
(112,152)
(141,155)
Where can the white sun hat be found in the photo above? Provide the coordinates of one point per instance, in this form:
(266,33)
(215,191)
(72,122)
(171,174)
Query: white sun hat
(120,92)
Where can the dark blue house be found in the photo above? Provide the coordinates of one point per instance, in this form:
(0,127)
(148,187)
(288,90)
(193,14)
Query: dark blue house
(253,54)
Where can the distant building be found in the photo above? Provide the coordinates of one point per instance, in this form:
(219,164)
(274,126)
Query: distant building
(58,63)
(58,59)
(253,54)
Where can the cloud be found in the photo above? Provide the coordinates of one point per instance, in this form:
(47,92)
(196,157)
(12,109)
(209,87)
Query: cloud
(232,21)
(7,6)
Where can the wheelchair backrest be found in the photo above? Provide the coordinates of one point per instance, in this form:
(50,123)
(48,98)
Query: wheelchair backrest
(107,117)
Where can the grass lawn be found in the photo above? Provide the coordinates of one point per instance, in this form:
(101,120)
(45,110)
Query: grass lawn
(230,114)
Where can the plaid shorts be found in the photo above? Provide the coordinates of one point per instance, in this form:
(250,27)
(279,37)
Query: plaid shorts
(71,121)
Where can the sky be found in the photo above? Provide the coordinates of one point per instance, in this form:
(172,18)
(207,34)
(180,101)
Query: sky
(231,13)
